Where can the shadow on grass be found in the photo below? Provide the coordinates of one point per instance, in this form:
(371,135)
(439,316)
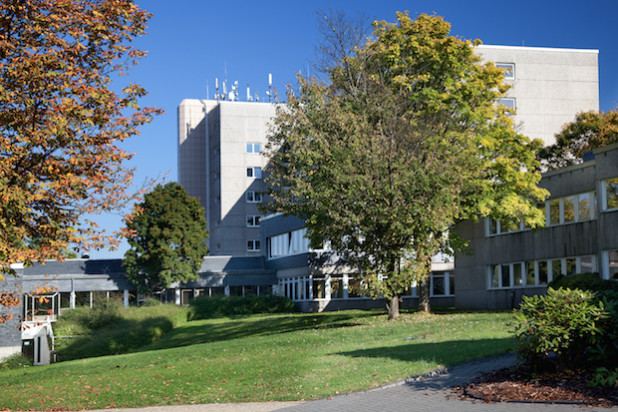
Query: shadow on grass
(244,327)
(448,353)
(123,336)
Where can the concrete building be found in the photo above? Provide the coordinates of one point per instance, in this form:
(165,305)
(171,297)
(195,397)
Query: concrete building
(511,261)
(549,86)
(220,163)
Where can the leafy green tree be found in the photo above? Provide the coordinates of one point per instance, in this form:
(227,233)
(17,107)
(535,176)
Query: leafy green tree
(404,141)
(588,131)
(167,238)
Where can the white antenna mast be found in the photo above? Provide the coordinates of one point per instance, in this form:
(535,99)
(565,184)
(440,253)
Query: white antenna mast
(217,88)
(249,98)
(269,93)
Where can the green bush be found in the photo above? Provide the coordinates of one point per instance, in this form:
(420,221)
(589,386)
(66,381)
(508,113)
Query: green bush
(15,361)
(113,329)
(565,324)
(150,301)
(584,281)
(206,307)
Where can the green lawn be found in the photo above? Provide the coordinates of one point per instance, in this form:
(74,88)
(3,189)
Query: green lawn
(262,358)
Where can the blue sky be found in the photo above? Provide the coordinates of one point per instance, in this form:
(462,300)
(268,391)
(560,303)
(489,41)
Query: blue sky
(192,42)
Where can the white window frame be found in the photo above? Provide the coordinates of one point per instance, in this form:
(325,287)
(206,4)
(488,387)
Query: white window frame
(502,101)
(250,147)
(593,211)
(253,220)
(253,245)
(506,67)
(254,172)
(253,197)
(604,195)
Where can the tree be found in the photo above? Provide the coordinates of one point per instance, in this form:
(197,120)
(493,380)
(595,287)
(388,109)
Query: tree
(340,36)
(404,141)
(61,122)
(588,131)
(167,235)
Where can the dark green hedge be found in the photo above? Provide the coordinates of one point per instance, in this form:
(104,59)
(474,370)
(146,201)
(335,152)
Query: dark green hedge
(205,307)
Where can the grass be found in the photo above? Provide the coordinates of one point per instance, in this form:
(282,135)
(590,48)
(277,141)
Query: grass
(262,358)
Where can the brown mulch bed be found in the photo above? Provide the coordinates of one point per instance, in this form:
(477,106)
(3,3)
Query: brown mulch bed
(516,385)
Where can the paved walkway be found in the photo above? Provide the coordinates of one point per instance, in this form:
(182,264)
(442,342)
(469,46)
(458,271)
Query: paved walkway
(427,393)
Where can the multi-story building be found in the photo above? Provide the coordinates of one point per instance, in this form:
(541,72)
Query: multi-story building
(549,86)
(219,162)
(220,145)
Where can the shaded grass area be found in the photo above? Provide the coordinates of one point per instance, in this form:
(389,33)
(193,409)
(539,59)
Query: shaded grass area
(262,358)
(111,329)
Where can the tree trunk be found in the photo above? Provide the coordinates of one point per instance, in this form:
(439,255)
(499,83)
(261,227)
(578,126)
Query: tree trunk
(393,307)
(423,300)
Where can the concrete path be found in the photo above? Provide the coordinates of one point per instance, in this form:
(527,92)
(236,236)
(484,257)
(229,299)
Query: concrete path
(431,392)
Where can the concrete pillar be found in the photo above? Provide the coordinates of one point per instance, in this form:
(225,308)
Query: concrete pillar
(177,296)
(125,298)
(72,300)
(310,280)
(345,285)
(227,291)
(327,287)
(90,299)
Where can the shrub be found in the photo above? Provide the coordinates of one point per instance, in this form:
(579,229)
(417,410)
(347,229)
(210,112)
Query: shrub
(584,281)
(103,314)
(150,301)
(15,361)
(564,323)
(206,307)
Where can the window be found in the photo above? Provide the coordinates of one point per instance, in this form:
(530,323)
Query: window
(497,227)
(611,193)
(336,288)
(319,287)
(569,209)
(509,102)
(255,172)
(613,264)
(253,245)
(253,197)
(254,147)
(508,68)
(253,221)
(290,243)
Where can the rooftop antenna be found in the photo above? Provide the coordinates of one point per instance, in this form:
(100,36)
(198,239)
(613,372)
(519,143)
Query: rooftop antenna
(249,98)
(234,92)
(269,93)
(224,95)
(257,97)
(217,88)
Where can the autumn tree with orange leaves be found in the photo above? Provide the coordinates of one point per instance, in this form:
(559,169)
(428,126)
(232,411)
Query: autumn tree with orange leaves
(61,122)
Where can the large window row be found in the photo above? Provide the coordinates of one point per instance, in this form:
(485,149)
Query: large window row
(350,287)
(574,208)
(289,243)
(538,272)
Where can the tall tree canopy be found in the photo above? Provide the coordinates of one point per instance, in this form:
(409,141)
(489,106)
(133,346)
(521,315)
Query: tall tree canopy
(588,131)
(167,238)
(61,122)
(404,141)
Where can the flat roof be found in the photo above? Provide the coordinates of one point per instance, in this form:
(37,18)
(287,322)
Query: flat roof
(527,48)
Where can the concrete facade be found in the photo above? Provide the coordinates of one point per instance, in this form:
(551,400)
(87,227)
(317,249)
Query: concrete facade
(580,236)
(220,145)
(549,85)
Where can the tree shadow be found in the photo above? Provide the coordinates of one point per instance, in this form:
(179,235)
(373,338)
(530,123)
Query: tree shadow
(243,327)
(123,336)
(454,352)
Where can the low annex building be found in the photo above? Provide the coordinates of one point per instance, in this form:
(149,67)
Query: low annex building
(509,261)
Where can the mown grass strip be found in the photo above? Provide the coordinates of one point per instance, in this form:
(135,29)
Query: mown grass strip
(262,358)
